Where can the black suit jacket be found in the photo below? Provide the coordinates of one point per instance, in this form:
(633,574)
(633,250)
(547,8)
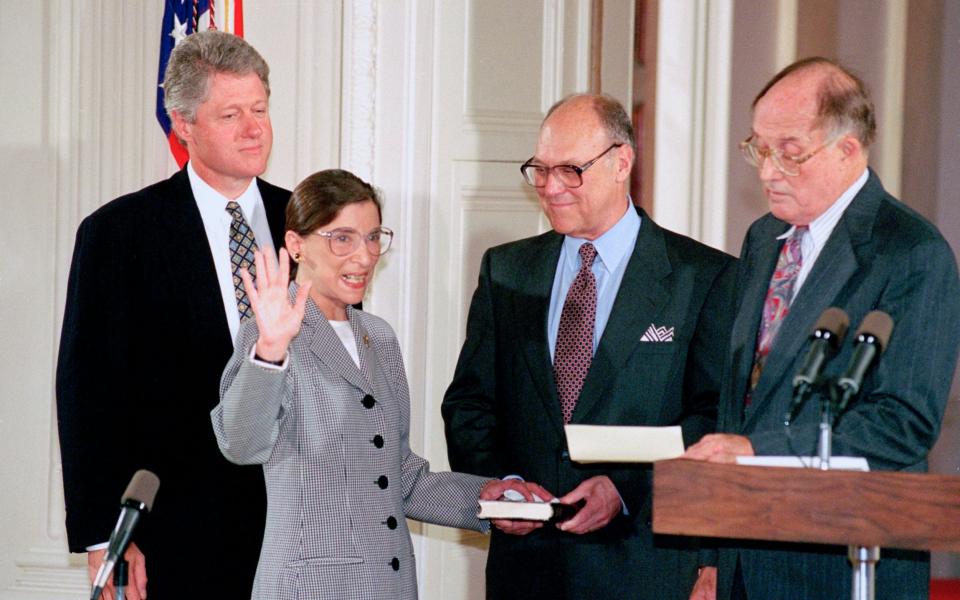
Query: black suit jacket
(503,415)
(880,256)
(144,342)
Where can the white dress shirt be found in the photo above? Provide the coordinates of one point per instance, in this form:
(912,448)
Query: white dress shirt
(820,229)
(216,222)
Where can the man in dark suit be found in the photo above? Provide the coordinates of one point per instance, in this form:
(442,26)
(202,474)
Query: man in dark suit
(151,313)
(608,319)
(834,237)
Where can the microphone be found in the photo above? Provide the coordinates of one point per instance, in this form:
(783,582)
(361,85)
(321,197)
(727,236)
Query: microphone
(825,340)
(137,498)
(871,341)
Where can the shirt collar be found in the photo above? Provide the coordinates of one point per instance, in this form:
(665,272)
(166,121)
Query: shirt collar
(616,243)
(212,203)
(821,227)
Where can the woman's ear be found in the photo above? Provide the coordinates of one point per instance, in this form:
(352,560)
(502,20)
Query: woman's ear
(294,244)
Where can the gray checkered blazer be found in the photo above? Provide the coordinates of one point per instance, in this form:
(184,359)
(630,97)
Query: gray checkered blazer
(333,442)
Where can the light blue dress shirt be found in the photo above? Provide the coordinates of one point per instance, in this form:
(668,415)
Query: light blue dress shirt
(613,253)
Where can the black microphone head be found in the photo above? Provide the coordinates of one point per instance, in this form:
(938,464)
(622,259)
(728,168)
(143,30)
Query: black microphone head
(835,322)
(142,488)
(879,325)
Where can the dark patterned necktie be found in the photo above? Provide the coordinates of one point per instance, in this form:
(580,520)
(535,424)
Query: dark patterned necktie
(777,303)
(574,349)
(242,245)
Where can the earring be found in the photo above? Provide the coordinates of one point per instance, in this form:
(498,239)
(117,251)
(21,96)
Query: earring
(296,257)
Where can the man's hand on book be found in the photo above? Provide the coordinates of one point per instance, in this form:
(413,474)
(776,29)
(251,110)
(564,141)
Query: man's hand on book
(602,505)
(495,489)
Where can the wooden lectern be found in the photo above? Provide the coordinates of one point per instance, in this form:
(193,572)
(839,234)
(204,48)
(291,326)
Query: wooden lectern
(912,511)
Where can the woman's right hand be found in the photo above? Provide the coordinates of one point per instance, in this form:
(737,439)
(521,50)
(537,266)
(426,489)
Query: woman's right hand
(278,321)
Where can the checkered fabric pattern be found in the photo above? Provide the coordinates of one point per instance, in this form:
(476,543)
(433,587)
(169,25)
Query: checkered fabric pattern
(574,351)
(242,246)
(341,477)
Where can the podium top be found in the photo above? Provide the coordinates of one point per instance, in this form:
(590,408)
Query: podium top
(915,511)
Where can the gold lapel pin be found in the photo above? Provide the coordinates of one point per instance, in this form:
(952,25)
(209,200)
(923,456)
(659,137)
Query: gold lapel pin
(366,341)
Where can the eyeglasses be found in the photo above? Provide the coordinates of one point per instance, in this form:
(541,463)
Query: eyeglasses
(787,164)
(345,241)
(569,175)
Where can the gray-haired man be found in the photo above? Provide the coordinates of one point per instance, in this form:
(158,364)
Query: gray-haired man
(152,307)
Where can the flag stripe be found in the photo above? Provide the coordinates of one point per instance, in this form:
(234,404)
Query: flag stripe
(181,19)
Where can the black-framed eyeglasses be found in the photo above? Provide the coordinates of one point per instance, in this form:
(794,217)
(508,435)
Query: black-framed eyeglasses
(345,241)
(569,175)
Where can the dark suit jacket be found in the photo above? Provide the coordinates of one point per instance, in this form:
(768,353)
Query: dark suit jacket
(880,256)
(144,343)
(503,416)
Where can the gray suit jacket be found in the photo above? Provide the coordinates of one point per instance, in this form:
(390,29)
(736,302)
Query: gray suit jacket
(341,477)
(880,256)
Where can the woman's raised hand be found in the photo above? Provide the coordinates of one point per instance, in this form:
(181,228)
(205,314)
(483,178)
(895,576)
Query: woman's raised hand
(277,320)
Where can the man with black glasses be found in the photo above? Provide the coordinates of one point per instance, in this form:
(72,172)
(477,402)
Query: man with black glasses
(607,319)
(834,237)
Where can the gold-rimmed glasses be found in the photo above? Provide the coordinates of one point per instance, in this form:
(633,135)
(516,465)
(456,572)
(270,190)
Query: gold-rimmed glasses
(788,164)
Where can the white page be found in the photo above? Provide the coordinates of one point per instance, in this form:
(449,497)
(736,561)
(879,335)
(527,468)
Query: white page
(837,463)
(623,444)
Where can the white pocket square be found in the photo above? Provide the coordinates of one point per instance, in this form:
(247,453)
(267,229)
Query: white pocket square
(657,334)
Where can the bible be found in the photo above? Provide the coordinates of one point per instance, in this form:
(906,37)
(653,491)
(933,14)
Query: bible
(527,511)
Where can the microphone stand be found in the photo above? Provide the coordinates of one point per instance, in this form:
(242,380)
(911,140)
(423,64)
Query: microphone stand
(120,579)
(863,559)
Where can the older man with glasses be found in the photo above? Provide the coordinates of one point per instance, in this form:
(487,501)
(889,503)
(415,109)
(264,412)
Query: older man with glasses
(834,238)
(607,319)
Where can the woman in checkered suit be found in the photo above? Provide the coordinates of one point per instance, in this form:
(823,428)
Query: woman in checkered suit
(316,393)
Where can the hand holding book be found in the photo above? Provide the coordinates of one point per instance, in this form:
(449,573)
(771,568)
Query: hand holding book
(553,512)
(529,492)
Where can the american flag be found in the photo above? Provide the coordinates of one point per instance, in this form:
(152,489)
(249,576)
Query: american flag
(180,19)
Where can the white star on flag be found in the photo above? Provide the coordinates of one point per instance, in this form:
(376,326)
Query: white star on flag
(179,31)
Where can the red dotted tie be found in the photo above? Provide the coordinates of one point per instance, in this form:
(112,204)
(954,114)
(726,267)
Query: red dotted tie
(574,349)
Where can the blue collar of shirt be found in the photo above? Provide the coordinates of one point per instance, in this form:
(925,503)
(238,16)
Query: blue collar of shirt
(612,247)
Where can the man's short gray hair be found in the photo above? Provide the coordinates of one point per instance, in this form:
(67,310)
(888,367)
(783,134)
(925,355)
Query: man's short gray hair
(613,117)
(196,59)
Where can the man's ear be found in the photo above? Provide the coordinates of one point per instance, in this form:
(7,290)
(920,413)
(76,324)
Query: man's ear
(181,127)
(625,160)
(851,146)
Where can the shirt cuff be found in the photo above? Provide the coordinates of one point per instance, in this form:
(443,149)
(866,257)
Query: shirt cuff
(266,364)
(95,547)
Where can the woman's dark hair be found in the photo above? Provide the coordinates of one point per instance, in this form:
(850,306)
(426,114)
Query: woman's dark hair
(318,199)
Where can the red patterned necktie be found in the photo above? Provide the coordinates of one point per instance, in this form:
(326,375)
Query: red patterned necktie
(777,304)
(242,245)
(574,349)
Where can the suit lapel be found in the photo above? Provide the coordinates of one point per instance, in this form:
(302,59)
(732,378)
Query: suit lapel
(326,346)
(758,267)
(643,294)
(275,204)
(189,262)
(838,262)
(530,309)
